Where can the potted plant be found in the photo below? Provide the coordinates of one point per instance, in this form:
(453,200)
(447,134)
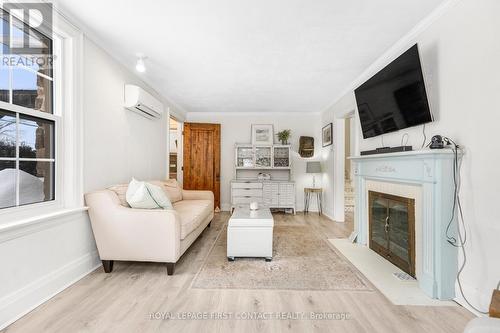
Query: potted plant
(283,136)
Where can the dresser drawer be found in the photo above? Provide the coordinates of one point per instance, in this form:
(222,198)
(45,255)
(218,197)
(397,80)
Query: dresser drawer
(246,200)
(285,201)
(270,193)
(287,195)
(243,192)
(246,185)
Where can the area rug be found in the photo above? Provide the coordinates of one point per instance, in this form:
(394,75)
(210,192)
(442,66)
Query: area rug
(301,261)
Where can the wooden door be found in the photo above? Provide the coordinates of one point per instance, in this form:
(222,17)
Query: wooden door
(202,158)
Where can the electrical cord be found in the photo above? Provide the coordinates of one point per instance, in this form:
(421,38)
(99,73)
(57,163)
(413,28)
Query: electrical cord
(452,240)
(462,238)
(460,272)
(402,139)
(458,184)
(425,136)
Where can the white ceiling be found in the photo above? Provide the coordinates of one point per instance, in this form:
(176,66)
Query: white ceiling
(250,55)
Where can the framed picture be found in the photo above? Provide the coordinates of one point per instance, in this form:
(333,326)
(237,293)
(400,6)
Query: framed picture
(262,135)
(327,135)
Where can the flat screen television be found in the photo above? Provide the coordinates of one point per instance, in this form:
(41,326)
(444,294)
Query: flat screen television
(394,98)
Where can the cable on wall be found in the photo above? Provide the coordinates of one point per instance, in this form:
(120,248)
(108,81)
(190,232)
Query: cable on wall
(403,138)
(425,136)
(452,240)
(462,237)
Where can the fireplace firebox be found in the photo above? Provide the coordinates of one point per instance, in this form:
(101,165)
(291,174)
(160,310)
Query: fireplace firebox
(392,229)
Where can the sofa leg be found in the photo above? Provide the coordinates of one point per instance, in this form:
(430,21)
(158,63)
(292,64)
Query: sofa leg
(107,265)
(170,268)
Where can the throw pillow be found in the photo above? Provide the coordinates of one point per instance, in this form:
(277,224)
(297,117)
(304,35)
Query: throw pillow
(138,195)
(159,196)
(146,196)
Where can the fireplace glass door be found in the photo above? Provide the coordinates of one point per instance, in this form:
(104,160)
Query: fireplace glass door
(392,229)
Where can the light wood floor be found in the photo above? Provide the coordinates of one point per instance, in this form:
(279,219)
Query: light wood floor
(124,300)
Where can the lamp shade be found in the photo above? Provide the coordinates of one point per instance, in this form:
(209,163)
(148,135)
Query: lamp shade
(313,167)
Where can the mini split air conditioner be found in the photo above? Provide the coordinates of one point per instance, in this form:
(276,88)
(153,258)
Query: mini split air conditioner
(140,101)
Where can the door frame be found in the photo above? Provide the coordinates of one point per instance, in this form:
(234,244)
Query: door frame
(339,159)
(180,147)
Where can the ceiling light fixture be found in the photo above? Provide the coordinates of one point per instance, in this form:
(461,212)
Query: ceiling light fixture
(140,66)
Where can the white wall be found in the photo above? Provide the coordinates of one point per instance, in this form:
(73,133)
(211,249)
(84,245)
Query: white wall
(236,128)
(40,260)
(460,55)
(119,143)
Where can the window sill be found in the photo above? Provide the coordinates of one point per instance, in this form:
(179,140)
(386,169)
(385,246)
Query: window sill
(29,225)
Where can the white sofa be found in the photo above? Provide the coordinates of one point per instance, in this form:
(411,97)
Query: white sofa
(155,235)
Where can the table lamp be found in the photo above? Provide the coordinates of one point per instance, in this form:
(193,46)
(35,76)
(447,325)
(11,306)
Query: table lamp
(314,168)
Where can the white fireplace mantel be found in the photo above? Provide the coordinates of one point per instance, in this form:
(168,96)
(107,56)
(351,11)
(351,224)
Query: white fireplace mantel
(432,170)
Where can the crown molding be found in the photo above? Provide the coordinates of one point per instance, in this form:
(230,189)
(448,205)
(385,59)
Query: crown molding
(395,50)
(257,113)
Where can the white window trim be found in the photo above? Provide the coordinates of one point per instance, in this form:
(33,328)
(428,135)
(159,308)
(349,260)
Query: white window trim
(68,153)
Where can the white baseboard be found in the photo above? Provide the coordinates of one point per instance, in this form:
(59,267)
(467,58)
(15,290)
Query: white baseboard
(225,207)
(329,215)
(24,300)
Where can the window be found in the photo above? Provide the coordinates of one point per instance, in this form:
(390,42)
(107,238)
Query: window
(28,120)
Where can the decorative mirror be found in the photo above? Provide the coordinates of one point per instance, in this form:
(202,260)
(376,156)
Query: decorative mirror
(306,146)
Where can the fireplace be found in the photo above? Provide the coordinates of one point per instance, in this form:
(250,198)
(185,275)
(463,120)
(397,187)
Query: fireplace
(424,176)
(392,229)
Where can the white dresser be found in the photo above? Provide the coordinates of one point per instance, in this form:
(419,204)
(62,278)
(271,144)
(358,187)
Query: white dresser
(272,193)
(273,160)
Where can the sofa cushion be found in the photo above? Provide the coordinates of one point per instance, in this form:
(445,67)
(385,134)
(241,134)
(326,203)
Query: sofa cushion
(121,191)
(192,213)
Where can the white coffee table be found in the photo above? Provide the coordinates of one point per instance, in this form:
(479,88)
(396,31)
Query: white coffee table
(250,233)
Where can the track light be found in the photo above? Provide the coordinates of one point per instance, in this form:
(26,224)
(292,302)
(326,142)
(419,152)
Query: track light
(140,66)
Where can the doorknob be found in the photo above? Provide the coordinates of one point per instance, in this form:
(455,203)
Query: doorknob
(386,226)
